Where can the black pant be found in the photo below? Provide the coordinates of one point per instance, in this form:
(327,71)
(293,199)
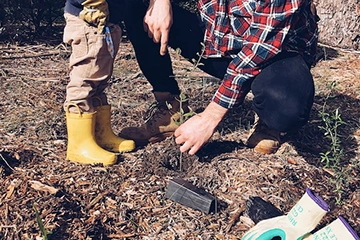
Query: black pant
(283,91)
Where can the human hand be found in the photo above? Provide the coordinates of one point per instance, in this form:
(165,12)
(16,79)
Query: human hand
(301,219)
(96,13)
(196,131)
(158,21)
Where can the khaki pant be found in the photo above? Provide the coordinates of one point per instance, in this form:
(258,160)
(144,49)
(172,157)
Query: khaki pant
(91,64)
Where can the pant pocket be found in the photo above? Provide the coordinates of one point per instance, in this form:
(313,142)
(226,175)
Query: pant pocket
(75,34)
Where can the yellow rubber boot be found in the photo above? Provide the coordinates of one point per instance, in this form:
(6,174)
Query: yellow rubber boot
(82,147)
(104,134)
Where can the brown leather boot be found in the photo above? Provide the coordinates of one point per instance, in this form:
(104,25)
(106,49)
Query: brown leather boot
(161,119)
(263,139)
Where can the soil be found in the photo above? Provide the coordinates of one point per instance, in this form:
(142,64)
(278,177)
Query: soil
(127,200)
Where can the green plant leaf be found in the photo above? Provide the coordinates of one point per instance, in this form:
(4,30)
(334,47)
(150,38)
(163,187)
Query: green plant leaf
(43,231)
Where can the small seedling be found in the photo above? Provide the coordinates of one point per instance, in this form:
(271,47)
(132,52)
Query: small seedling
(183,117)
(332,123)
(183,98)
(43,231)
(332,158)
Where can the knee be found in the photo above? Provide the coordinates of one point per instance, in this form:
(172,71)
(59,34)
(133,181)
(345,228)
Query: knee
(281,111)
(287,121)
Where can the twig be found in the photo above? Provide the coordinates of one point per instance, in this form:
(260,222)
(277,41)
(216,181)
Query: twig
(2,73)
(62,45)
(96,200)
(7,226)
(43,187)
(235,217)
(122,235)
(7,163)
(43,79)
(31,56)
(339,49)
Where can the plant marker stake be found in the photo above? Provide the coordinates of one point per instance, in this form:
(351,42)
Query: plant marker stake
(189,195)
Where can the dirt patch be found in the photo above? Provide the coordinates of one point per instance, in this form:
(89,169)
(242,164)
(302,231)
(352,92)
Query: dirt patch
(127,200)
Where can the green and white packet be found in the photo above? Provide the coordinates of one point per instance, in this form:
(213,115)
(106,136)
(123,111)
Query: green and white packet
(302,219)
(339,229)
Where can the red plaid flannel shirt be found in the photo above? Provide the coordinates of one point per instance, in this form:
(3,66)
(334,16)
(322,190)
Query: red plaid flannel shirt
(251,32)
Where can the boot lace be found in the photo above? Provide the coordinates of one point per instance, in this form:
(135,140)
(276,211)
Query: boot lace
(154,109)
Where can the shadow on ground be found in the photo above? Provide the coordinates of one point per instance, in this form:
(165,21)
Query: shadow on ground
(311,141)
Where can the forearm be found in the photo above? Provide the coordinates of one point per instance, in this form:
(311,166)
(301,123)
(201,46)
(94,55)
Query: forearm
(215,113)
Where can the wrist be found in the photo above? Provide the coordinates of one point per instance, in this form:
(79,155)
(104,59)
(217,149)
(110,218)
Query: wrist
(215,112)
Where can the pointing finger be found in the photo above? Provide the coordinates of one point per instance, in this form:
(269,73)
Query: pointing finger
(164,43)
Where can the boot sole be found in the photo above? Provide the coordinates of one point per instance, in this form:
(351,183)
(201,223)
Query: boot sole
(153,139)
(160,137)
(80,159)
(126,151)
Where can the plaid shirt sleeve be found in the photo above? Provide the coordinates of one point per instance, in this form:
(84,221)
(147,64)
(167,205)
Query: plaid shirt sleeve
(258,29)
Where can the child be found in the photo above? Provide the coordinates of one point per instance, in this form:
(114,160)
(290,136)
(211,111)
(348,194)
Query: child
(94,34)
